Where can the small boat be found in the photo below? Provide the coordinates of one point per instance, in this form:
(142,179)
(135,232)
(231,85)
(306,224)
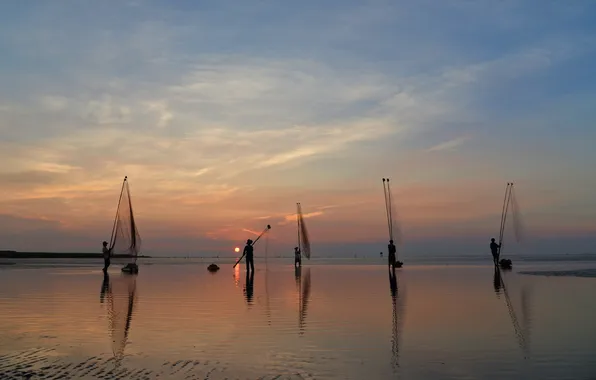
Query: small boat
(213,268)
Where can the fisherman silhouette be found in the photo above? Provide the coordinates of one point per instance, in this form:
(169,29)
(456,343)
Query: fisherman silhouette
(248,251)
(393,283)
(297,256)
(107,252)
(248,287)
(495,248)
(392,251)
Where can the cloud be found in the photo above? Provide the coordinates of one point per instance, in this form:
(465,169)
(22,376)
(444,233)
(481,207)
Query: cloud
(449,145)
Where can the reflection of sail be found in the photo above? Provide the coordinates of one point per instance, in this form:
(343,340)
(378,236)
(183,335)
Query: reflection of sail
(397,301)
(519,332)
(121,301)
(304,296)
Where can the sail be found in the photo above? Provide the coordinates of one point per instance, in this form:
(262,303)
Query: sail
(303,241)
(126,241)
(121,302)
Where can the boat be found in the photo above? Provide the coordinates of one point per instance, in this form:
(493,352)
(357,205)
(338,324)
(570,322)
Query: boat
(389,211)
(509,203)
(303,241)
(125,241)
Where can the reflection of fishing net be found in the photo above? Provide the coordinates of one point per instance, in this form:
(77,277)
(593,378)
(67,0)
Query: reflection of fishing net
(126,241)
(304,241)
(121,303)
(304,298)
(398,306)
(519,299)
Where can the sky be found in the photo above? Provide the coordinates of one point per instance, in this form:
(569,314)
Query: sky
(223,114)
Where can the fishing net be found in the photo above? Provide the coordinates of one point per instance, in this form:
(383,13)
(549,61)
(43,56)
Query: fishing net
(511,221)
(304,241)
(126,241)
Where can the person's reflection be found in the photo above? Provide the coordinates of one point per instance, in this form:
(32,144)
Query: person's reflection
(105,287)
(304,295)
(248,288)
(121,300)
(396,318)
(297,275)
(497,281)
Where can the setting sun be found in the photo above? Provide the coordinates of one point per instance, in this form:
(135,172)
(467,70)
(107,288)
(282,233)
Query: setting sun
(236,249)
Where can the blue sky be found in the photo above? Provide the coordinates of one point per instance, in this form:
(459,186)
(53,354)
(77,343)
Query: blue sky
(225,113)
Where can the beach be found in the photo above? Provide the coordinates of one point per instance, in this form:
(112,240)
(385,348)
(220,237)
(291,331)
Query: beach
(343,321)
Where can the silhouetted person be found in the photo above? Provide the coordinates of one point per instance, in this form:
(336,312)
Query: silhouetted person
(494,248)
(392,252)
(381,253)
(107,252)
(248,251)
(105,286)
(297,257)
(248,287)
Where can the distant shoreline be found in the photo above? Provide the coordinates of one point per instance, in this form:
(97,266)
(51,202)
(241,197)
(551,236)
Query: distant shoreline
(58,255)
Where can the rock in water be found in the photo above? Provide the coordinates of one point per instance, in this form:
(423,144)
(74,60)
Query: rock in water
(399,264)
(213,268)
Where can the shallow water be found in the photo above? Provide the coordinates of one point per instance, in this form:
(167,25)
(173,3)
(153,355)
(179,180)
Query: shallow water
(326,322)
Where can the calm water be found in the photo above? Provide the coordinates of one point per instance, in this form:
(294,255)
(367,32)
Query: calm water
(327,322)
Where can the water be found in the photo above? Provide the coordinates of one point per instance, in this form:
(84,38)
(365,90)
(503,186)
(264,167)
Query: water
(344,321)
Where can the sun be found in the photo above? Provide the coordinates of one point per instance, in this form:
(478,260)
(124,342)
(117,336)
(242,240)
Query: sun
(236,249)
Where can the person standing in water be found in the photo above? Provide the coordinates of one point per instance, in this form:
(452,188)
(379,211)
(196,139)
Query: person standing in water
(106,256)
(392,252)
(494,248)
(297,256)
(248,251)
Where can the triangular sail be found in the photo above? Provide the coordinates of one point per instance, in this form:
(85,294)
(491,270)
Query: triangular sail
(125,241)
(303,241)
